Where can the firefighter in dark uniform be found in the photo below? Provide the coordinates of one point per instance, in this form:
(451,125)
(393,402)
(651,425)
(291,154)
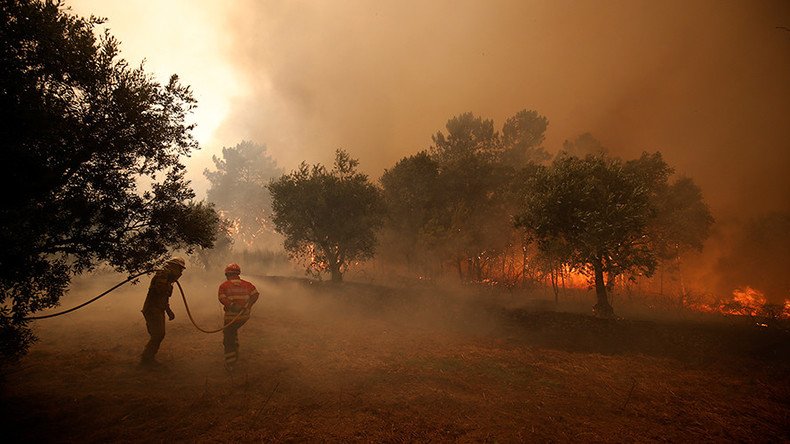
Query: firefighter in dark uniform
(157,304)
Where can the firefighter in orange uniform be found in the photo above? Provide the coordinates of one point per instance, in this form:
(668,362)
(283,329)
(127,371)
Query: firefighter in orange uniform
(237,296)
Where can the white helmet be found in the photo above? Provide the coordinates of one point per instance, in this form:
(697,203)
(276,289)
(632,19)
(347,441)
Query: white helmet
(177,260)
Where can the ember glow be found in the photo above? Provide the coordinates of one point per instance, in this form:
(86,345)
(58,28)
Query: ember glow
(749,299)
(746,301)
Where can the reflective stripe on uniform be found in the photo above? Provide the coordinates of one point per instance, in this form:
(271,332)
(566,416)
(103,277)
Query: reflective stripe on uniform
(230,317)
(237,292)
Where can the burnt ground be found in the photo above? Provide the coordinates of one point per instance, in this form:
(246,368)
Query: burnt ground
(367,363)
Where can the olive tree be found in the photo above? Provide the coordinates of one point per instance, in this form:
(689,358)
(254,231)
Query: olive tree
(608,217)
(92,154)
(329,217)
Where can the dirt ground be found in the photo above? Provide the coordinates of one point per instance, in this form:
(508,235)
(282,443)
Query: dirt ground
(369,363)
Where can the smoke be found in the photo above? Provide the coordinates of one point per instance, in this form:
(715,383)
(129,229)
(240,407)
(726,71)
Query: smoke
(704,82)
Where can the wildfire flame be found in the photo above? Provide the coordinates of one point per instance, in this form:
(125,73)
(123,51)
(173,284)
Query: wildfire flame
(751,301)
(746,301)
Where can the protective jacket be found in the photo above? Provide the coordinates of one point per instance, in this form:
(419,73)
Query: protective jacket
(235,294)
(159,292)
(157,302)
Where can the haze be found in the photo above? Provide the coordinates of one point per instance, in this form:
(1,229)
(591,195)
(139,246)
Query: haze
(704,82)
(700,351)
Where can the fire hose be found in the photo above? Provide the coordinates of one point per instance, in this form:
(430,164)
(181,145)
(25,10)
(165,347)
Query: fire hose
(114,287)
(60,313)
(181,290)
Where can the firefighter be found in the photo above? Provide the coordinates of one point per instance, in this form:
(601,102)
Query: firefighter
(157,304)
(237,297)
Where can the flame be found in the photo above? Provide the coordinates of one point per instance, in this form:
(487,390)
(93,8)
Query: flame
(746,301)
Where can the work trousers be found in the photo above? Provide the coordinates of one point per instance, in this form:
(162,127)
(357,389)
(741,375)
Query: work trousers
(155,323)
(230,338)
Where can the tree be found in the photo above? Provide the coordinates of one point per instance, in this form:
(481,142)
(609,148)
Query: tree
(455,199)
(522,136)
(605,216)
(329,217)
(682,220)
(471,222)
(92,166)
(238,188)
(467,136)
(411,201)
(583,145)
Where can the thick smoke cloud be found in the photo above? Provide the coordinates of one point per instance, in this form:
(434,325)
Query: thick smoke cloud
(704,82)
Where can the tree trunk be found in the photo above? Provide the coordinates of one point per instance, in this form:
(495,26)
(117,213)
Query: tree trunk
(337,276)
(562,275)
(334,269)
(682,284)
(555,286)
(602,308)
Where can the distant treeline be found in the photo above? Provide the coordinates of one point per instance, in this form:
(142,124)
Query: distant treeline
(492,206)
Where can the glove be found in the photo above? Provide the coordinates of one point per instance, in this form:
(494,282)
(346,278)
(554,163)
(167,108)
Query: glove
(170,314)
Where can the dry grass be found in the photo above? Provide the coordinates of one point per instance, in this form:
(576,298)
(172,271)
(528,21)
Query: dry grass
(376,364)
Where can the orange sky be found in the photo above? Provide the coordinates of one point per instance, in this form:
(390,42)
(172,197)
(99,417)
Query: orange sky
(705,82)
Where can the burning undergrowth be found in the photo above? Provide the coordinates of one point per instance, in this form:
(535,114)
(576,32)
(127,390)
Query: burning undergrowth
(746,302)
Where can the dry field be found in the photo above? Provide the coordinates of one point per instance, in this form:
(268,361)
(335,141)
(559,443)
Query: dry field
(368,363)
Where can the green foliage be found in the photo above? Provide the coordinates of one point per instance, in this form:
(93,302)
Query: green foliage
(457,200)
(329,217)
(610,217)
(218,255)
(81,131)
(589,206)
(683,220)
(238,188)
(470,222)
(14,339)
(411,203)
(583,145)
(467,136)
(522,136)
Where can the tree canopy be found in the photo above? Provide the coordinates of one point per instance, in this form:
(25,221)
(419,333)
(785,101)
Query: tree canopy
(455,199)
(411,204)
(522,136)
(329,217)
(608,217)
(238,189)
(92,151)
